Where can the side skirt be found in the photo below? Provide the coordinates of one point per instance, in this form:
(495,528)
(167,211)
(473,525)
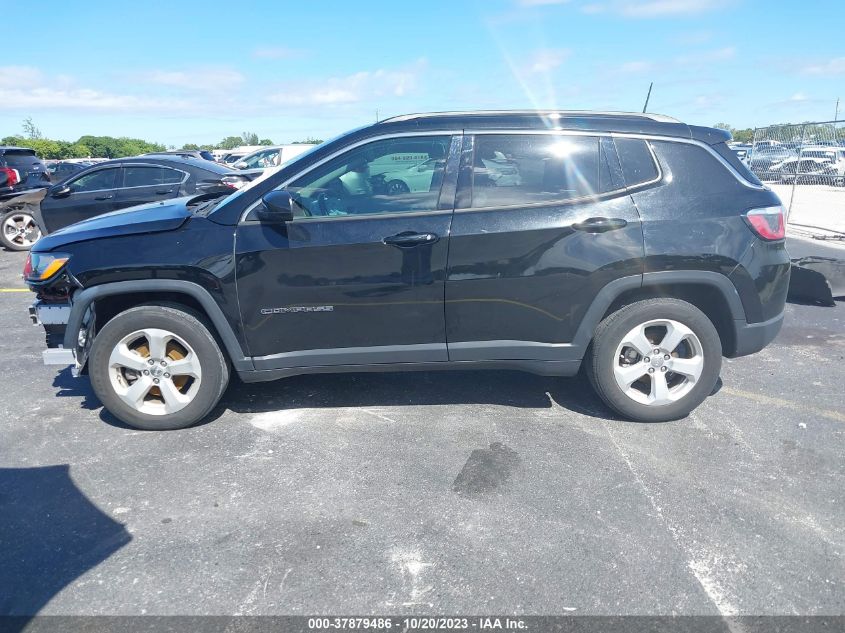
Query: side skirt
(540,367)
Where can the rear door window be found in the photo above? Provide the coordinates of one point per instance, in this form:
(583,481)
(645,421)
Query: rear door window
(525,169)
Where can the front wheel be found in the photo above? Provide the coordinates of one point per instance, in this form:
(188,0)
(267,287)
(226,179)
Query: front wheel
(19,231)
(157,368)
(655,360)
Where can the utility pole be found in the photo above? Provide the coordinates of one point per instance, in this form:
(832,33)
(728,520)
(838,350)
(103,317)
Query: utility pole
(648,96)
(836,116)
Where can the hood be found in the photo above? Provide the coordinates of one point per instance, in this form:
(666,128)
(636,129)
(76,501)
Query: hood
(146,218)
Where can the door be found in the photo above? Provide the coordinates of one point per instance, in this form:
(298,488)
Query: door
(542,223)
(90,194)
(148,183)
(358,276)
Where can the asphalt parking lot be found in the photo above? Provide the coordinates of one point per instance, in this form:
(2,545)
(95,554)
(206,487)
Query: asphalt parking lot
(428,492)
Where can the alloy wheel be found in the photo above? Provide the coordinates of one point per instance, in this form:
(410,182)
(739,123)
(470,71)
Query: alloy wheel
(21,229)
(154,371)
(658,362)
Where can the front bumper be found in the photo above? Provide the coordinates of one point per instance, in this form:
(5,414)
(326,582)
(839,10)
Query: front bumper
(54,318)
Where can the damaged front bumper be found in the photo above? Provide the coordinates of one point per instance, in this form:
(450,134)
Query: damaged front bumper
(63,347)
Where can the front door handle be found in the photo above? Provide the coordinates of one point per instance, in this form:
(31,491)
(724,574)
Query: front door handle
(161,192)
(104,198)
(409,239)
(600,225)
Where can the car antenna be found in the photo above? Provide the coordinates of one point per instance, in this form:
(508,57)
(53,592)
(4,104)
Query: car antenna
(647,97)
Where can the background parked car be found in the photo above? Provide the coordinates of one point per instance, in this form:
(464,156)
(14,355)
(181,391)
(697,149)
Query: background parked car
(761,159)
(60,170)
(110,186)
(813,171)
(271,156)
(22,170)
(201,154)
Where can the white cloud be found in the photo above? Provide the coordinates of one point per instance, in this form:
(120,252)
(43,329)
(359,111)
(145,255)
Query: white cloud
(835,66)
(655,8)
(276,52)
(706,57)
(547,59)
(381,83)
(798,97)
(205,79)
(635,67)
(46,98)
(540,3)
(19,77)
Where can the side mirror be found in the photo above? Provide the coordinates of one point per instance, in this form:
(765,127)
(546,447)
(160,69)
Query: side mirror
(277,209)
(240,164)
(60,191)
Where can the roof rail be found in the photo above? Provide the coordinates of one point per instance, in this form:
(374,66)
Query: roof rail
(660,118)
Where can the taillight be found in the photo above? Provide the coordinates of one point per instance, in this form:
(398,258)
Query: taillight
(27,267)
(13,176)
(768,222)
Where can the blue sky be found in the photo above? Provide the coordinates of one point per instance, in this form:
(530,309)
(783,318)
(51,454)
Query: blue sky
(196,71)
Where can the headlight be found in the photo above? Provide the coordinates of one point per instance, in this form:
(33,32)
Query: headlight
(42,266)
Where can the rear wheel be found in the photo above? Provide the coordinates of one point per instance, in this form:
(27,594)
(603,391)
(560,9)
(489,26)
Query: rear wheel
(655,360)
(19,231)
(157,368)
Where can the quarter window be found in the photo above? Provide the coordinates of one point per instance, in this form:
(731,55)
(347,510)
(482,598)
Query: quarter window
(95,181)
(637,162)
(401,175)
(524,169)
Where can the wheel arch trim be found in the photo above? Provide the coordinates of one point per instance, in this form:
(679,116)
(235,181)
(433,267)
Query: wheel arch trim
(82,299)
(612,291)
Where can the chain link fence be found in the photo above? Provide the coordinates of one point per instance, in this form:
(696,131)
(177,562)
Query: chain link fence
(805,165)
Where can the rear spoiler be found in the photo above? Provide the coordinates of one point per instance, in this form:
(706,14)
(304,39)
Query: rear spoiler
(709,135)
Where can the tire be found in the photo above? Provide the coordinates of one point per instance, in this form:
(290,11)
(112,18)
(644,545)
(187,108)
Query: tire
(655,394)
(142,344)
(397,188)
(18,230)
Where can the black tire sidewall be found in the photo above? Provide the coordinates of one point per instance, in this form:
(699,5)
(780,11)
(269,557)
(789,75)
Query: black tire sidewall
(193,331)
(600,367)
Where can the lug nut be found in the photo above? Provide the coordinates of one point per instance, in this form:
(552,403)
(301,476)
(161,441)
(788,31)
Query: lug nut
(163,363)
(667,357)
(651,370)
(656,352)
(647,359)
(155,380)
(166,375)
(663,368)
(150,362)
(146,372)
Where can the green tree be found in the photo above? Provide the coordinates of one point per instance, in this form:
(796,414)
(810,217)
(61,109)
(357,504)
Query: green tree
(190,146)
(231,142)
(265,141)
(309,141)
(29,129)
(250,138)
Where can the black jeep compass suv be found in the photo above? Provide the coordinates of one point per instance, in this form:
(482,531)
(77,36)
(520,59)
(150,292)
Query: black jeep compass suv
(632,244)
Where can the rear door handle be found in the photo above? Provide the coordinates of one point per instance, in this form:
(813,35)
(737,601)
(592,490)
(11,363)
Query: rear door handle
(104,198)
(409,239)
(600,225)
